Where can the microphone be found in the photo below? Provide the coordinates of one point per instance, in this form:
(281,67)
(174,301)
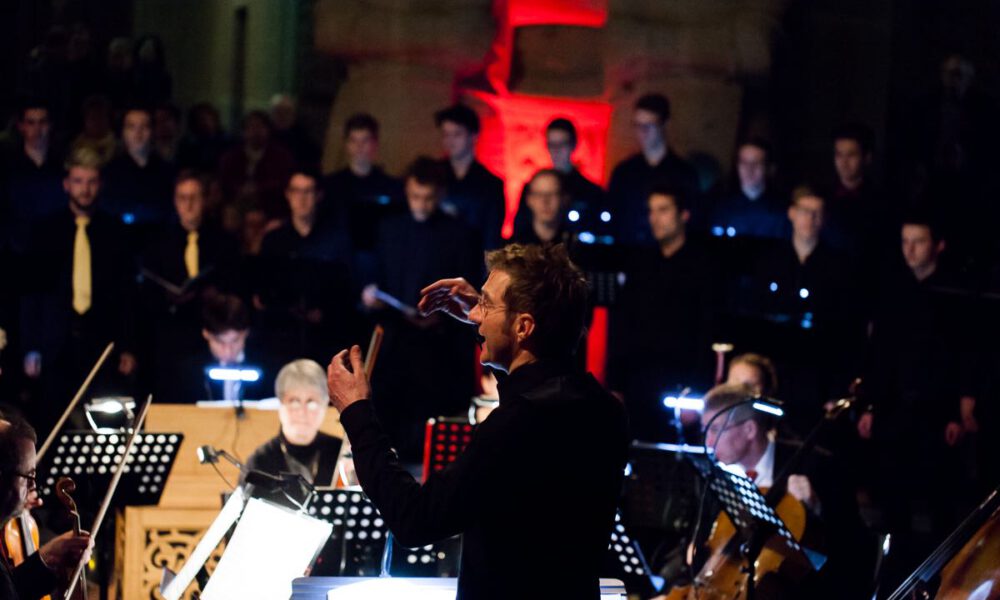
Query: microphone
(207,455)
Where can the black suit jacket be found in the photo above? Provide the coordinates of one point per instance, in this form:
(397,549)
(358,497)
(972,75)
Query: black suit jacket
(534,505)
(47,306)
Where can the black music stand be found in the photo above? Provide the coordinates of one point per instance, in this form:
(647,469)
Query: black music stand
(90,458)
(755,521)
(359,533)
(627,562)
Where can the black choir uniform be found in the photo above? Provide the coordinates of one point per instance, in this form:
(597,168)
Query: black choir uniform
(811,323)
(739,215)
(425,368)
(142,196)
(660,334)
(534,505)
(306,284)
(172,301)
(69,342)
(585,197)
(360,204)
(478,200)
(860,223)
(28,193)
(628,192)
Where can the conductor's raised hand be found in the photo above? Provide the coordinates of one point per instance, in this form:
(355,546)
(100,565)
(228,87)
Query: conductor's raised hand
(454,297)
(346,379)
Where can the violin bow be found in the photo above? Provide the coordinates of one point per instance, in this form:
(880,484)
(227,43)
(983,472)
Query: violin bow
(72,404)
(102,511)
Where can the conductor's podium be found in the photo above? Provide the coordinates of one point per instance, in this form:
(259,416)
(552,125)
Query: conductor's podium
(411,588)
(150,538)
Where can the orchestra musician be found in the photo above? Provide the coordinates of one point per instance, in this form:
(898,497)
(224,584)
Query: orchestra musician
(55,560)
(744,438)
(534,493)
(300,447)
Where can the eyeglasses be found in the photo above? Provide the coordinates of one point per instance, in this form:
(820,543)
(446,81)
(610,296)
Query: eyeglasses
(486,306)
(30,478)
(717,429)
(294,402)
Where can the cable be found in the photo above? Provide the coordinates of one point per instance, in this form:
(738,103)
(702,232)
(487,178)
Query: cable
(217,470)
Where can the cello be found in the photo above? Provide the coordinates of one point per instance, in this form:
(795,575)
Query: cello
(966,564)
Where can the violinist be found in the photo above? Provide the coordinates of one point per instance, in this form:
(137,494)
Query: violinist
(745,438)
(40,573)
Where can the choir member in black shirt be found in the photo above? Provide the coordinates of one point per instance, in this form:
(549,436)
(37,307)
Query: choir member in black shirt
(362,194)
(300,447)
(422,245)
(922,393)
(535,491)
(139,182)
(31,176)
(55,560)
(79,294)
(474,195)
(858,217)
(661,328)
(756,209)
(656,163)
(291,133)
(255,171)
(180,263)
(546,206)
(807,293)
(306,293)
(585,198)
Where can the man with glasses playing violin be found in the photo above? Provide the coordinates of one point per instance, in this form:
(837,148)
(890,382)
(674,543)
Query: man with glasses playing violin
(535,491)
(56,560)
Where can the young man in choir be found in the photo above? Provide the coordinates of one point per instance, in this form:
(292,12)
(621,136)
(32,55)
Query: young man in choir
(546,205)
(655,164)
(473,194)
(516,492)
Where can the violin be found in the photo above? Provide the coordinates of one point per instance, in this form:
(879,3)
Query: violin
(64,489)
(20,539)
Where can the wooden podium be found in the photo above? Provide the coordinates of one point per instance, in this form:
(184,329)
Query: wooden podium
(153,537)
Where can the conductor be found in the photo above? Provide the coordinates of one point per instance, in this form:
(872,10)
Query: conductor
(534,493)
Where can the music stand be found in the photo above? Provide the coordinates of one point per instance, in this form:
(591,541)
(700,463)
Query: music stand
(271,546)
(358,530)
(661,488)
(445,438)
(628,563)
(89,459)
(755,521)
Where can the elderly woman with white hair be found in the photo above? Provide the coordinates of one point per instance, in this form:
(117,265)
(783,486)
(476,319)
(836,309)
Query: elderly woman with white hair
(300,447)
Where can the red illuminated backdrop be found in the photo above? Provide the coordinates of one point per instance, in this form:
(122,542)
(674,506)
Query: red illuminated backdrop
(512,143)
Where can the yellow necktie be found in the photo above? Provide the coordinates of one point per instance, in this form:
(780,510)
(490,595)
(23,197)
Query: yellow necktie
(81,267)
(191,254)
